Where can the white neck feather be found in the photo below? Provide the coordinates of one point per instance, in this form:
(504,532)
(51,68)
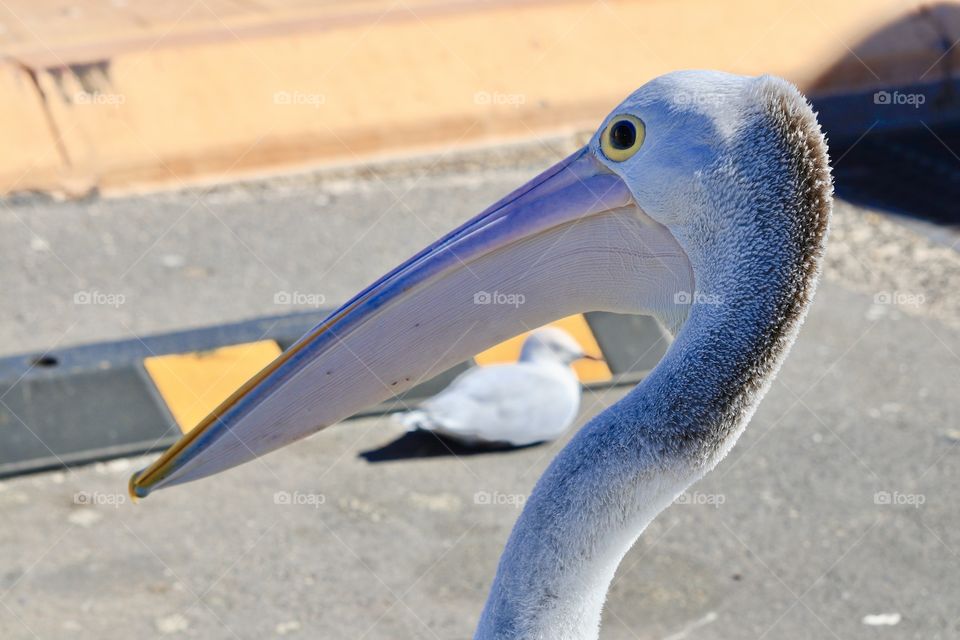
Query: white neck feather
(630,462)
(591,505)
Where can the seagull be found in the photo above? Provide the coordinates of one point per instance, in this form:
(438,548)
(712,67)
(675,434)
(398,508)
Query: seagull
(703,200)
(533,400)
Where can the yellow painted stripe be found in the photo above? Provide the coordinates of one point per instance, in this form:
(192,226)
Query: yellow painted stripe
(576,326)
(194,384)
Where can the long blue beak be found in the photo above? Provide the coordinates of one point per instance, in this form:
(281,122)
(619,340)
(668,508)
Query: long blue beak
(570,240)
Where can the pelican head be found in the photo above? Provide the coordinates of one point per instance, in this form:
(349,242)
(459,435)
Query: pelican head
(702,200)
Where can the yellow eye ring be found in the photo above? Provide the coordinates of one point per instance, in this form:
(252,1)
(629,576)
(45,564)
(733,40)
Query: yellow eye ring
(622,138)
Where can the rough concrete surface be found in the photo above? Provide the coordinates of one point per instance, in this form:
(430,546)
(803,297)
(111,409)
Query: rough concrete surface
(834,517)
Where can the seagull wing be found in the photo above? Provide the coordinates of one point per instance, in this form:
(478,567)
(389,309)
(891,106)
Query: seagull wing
(518,403)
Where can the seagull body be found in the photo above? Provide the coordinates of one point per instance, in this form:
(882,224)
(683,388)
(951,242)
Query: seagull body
(702,200)
(533,400)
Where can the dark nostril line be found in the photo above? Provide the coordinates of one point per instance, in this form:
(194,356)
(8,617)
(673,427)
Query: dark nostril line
(45,360)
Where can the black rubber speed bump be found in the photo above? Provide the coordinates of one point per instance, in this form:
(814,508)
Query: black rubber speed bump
(98,401)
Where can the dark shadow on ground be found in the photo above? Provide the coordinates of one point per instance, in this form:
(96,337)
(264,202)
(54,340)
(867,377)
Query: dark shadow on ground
(425,444)
(913,172)
(895,142)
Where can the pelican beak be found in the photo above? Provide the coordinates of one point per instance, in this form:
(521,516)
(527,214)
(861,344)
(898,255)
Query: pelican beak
(591,357)
(570,240)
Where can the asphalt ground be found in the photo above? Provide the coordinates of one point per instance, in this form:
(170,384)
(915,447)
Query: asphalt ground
(834,517)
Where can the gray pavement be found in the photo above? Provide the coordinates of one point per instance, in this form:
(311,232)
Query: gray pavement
(838,504)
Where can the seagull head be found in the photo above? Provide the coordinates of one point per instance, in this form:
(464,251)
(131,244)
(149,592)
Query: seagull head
(551,344)
(700,187)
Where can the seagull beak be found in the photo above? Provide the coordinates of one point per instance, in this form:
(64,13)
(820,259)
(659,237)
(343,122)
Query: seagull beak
(570,240)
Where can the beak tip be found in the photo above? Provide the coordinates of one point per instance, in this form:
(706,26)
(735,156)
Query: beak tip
(136,490)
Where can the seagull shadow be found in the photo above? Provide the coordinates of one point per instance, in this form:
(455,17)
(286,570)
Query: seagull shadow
(426,444)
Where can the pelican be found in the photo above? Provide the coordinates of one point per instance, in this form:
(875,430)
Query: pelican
(702,200)
(533,400)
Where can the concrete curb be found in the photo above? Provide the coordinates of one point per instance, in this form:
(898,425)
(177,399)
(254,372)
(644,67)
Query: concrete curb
(257,95)
(99,401)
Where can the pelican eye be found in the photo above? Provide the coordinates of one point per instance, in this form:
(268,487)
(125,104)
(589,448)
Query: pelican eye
(622,138)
